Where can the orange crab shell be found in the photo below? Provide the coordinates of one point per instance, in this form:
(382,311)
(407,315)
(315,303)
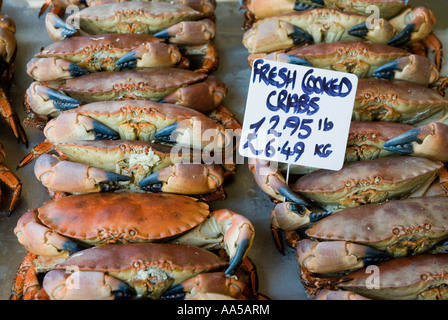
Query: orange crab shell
(124,217)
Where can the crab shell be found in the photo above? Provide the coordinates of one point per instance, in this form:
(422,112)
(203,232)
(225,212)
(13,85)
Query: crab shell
(362,59)
(99,53)
(366,139)
(268,8)
(155,83)
(322,25)
(137,120)
(395,226)
(103,218)
(395,101)
(148,268)
(369,181)
(407,278)
(134,17)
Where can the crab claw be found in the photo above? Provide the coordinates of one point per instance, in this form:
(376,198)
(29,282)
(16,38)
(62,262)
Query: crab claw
(195,132)
(57,28)
(290,216)
(211,92)
(166,134)
(414,68)
(380,34)
(49,69)
(273,183)
(85,285)
(288,58)
(429,141)
(189,32)
(336,256)
(45,101)
(41,240)
(223,229)
(72,177)
(414,25)
(152,54)
(72,126)
(272,35)
(184,179)
(213,282)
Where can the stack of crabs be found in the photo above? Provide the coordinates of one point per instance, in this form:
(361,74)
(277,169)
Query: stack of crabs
(376,228)
(126,98)
(8,52)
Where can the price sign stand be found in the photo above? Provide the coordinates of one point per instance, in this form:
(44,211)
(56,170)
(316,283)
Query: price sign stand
(298,115)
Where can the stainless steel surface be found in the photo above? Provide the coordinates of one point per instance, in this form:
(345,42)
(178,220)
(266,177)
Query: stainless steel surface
(278,273)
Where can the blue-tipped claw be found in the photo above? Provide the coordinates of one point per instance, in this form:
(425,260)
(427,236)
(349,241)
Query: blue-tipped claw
(112,177)
(151,183)
(237,259)
(300,36)
(297,60)
(129,60)
(71,247)
(165,133)
(402,143)
(359,30)
(103,132)
(403,37)
(164,34)
(67,30)
(292,197)
(387,71)
(174,293)
(316,216)
(76,71)
(124,292)
(374,256)
(61,101)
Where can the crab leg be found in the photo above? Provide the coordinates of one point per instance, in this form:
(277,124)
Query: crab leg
(8,113)
(13,182)
(427,141)
(223,229)
(42,148)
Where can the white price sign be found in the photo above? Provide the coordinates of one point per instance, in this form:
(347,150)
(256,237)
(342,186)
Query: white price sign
(298,115)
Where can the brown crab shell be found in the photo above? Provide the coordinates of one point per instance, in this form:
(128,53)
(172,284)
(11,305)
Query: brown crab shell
(322,55)
(369,181)
(123,217)
(398,101)
(134,17)
(366,139)
(399,227)
(403,278)
(162,265)
(146,84)
(100,52)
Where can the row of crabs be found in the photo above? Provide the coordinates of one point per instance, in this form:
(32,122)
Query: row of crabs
(113,100)
(387,206)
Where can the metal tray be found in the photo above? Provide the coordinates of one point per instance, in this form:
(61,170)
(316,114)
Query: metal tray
(278,274)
